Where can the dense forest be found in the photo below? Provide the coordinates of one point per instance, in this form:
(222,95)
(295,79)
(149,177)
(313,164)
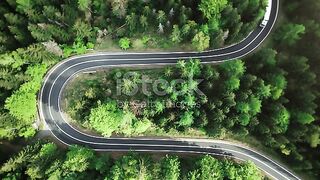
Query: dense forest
(47,161)
(37,34)
(271,95)
(237,98)
(204,23)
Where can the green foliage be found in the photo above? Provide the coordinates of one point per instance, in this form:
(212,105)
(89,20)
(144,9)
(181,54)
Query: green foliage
(23,5)
(233,70)
(23,71)
(176,35)
(124,43)
(201,41)
(133,118)
(108,118)
(186,119)
(23,103)
(210,168)
(314,139)
(119,7)
(35,21)
(303,117)
(255,105)
(78,159)
(256,97)
(47,161)
(77,48)
(273,95)
(212,8)
(84,4)
(280,116)
(102,163)
(170,168)
(249,171)
(142,126)
(290,33)
(131,167)
(83,30)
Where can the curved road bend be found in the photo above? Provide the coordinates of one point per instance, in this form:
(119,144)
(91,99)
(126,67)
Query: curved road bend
(58,76)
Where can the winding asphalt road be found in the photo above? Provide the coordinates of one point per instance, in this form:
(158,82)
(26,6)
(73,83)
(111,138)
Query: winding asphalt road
(58,77)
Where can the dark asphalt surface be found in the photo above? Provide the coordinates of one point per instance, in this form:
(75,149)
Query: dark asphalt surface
(49,108)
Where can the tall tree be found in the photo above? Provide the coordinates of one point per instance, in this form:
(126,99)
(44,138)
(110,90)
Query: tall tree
(119,7)
(201,41)
(170,168)
(290,33)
